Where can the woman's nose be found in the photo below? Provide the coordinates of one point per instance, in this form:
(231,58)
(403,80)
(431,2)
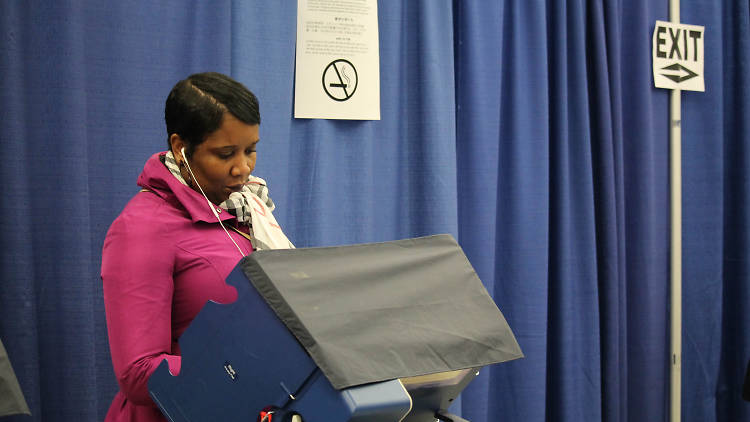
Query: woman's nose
(242,168)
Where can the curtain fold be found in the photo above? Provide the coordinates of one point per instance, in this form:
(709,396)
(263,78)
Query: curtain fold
(605,96)
(531,131)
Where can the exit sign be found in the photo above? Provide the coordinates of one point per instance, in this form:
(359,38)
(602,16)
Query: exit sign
(678,56)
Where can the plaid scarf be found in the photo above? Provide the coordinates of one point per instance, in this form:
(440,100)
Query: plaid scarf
(240,205)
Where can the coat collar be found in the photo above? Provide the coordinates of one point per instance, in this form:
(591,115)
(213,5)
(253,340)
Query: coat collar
(157,178)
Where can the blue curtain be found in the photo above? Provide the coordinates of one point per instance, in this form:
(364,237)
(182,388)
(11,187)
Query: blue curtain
(529,130)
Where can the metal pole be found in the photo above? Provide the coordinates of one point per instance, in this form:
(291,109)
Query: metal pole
(675,162)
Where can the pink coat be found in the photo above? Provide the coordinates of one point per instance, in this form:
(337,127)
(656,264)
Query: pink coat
(164,256)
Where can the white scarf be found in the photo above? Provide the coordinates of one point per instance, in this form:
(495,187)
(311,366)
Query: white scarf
(252,206)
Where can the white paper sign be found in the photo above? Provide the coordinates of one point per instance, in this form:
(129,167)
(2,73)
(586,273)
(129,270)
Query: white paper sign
(338,62)
(678,56)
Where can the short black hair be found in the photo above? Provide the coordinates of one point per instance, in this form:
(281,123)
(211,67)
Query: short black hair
(195,107)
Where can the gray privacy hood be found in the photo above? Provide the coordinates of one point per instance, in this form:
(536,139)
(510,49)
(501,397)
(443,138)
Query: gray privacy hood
(12,401)
(380,311)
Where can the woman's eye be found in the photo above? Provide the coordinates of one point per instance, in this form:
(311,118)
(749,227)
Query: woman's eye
(225,155)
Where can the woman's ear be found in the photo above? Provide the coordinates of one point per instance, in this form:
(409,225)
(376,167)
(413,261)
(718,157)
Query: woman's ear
(177,144)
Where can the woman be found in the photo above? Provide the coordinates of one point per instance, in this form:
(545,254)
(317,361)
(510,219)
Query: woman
(199,211)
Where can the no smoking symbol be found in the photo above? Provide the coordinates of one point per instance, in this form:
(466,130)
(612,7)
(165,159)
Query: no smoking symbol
(340,80)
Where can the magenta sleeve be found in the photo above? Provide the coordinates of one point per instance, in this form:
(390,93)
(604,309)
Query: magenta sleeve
(137,264)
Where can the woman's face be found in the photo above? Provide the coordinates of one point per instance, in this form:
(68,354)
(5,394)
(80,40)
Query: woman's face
(223,162)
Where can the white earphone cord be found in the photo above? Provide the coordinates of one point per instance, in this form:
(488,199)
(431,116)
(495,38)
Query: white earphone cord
(210,205)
